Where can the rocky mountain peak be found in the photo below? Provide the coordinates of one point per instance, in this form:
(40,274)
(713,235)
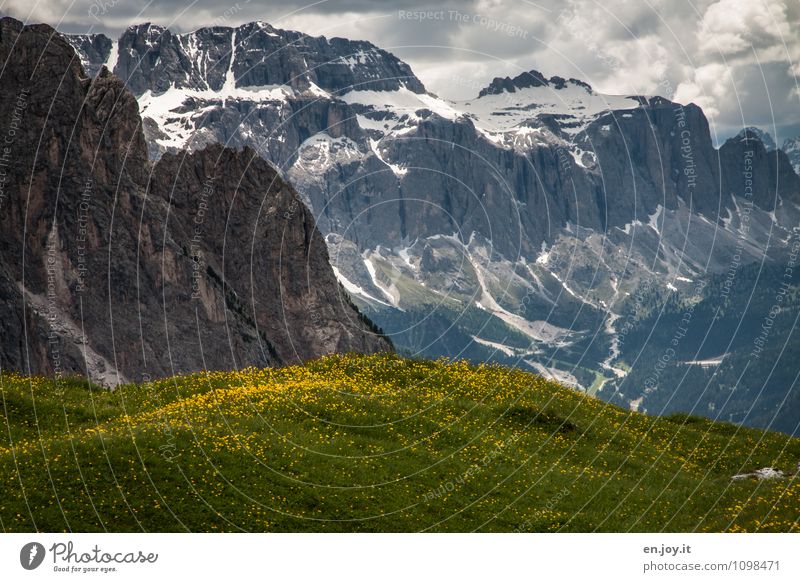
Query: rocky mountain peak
(529,79)
(756,133)
(764,172)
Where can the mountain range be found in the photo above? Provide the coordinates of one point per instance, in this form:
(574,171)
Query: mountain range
(541,224)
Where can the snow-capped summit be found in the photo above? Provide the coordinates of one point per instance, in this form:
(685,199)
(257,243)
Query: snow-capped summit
(531,101)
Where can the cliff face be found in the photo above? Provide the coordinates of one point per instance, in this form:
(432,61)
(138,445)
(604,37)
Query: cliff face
(123,269)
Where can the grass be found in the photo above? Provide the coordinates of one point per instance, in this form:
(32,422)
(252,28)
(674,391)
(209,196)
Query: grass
(377,443)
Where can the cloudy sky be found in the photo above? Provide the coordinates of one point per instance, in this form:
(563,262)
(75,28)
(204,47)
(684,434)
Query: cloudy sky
(738,59)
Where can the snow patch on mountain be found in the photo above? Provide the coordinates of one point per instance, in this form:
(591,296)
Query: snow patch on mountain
(229,86)
(113,56)
(355,289)
(389,290)
(178,120)
(574,106)
(321,151)
(398,170)
(502,348)
(404,108)
(653,221)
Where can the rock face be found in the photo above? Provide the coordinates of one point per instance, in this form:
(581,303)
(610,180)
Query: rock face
(765,174)
(123,269)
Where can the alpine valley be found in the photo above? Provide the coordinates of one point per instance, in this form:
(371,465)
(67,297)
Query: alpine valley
(540,224)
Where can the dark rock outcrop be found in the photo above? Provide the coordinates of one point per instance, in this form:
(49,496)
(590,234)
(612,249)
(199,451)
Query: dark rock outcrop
(527,79)
(93,49)
(757,172)
(123,269)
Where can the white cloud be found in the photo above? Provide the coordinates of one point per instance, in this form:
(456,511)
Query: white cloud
(708,86)
(734,27)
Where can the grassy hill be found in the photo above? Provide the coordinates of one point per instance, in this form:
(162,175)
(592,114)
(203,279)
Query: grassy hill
(379,443)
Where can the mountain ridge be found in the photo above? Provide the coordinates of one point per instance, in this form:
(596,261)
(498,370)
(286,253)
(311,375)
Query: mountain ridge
(150,56)
(125,272)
